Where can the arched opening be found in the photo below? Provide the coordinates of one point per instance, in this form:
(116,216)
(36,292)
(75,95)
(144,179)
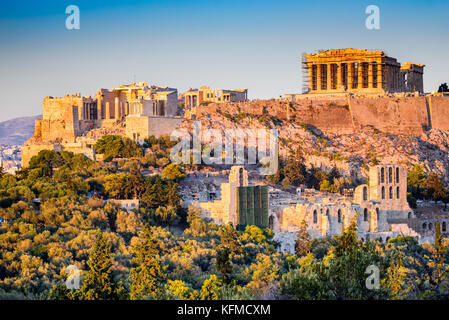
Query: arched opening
(444,226)
(365,193)
(430,226)
(390,175)
(397,192)
(377,214)
(409,215)
(327,212)
(241,176)
(271,222)
(382,175)
(339,216)
(365,214)
(388,238)
(424,226)
(315,216)
(391,192)
(397,175)
(383,192)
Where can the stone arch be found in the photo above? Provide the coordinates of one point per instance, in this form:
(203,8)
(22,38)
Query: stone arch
(390,175)
(391,192)
(382,175)
(365,193)
(397,192)
(365,214)
(383,192)
(397,175)
(315,217)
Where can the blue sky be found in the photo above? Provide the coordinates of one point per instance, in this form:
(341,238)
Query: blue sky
(230,44)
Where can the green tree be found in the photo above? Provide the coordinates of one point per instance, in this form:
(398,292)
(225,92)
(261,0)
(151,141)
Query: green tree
(229,238)
(443,87)
(211,289)
(173,172)
(98,283)
(435,189)
(224,265)
(148,275)
(303,243)
(178,290)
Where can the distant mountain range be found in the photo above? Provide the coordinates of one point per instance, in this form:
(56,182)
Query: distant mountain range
(17,131)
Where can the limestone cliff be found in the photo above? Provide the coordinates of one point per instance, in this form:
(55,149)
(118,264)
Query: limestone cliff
(349,133)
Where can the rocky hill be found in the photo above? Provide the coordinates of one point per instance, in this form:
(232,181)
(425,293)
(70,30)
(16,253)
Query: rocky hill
(350,147)
(17,131)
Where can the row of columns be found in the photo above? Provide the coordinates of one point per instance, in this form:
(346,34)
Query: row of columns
(353,77)
(88,112)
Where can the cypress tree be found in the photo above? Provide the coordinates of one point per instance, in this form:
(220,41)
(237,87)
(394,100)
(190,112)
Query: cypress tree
(438,239)
(148,276)
(98,283)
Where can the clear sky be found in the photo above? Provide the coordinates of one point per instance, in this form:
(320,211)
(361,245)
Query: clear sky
(253,44)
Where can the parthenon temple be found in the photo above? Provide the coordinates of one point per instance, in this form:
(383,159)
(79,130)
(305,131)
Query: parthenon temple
(359,71)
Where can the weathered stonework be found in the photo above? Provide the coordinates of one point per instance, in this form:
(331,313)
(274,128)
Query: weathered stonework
(195,97)
(360,71)
(380,209)
(224,211)
(146,110)
(378,215)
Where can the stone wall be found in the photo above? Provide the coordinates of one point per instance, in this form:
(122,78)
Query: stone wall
(346,114)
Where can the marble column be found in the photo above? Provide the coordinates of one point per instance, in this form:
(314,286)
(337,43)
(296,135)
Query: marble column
(339,76)
(380,76)
(318,77)
(359,76)
(350,73)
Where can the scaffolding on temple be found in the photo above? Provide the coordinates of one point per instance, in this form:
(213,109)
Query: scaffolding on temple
(305,74)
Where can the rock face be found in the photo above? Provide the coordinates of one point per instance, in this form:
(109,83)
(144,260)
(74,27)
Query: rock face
(17,131)
(349,133)
(346,114)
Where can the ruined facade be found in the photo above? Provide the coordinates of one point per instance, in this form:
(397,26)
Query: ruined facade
(196,97)
(380,209)
(359,71)
(225,210)
(145,110)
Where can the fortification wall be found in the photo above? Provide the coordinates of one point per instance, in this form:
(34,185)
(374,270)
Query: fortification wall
(30,150)
(163,125)
(439,112)
(406,115)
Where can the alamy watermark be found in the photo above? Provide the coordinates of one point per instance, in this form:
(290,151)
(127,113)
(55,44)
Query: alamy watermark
(72,22)
(261,145)
(73,280)
(373,280)
(372,22)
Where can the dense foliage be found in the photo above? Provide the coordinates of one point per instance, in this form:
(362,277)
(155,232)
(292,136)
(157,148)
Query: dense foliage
(55,214)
